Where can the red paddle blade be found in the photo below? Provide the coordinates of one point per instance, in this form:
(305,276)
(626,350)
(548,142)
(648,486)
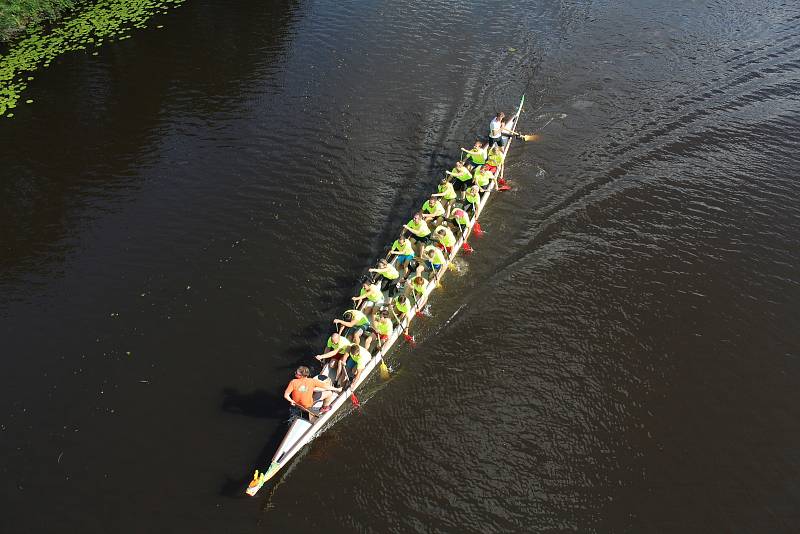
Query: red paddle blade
(501,181)
(504,188)
(354,400)
(410,340)
(466,248)
(477,228)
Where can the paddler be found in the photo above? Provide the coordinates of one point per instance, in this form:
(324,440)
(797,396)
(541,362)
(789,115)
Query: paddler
(419,228)
(496,158)
(461,219)
(477,154)
(446,194)
(432,209)
(434,259)
(462,176)
(338,351)
(418,285)
(400,310)
(482,177)
(301,391)
(496,130)
(387,271)
(371,293)
(359,357)
(445,237)
(404,252)
(473,197)
(382,325)
(357,320)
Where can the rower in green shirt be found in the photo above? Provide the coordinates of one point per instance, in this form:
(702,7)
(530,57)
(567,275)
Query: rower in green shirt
(432,210)
(419,228)
(357,320)
(477,154)
(447,195)
(445,237)
(403,250)
(462,176)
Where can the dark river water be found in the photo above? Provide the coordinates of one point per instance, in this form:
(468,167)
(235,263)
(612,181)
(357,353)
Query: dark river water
(183,215)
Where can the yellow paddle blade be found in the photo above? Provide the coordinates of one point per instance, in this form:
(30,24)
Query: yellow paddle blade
(531,137)
(384,370)
(452,266)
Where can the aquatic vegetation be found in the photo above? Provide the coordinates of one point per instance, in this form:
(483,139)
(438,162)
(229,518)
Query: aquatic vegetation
(90,25)
(15,15)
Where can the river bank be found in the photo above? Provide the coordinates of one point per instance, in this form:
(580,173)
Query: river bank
(15,15)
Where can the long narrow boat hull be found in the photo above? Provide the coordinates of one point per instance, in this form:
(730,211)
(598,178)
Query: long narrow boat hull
(302,432)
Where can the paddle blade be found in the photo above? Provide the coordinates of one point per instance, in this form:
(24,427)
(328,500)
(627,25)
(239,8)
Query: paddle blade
(466,248)
(504,188)
(410,340)
(384,370)
(531,137)
(501,181)
(354,400)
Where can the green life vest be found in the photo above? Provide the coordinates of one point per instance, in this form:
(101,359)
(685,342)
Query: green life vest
(406,249)
(461,217)
(472,199)
(419,288)
(447,189)
(477,155)
(373,293)
(464,175)
(482,177)
(496,158)
(389,272)
(419,230)
(362,353)
(448,239)
(437,209)
(403,308)
(359,317)
(438,257)
(383,327)
(341,346)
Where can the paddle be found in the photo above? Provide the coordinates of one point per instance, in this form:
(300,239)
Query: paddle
(464,246)
(384,368)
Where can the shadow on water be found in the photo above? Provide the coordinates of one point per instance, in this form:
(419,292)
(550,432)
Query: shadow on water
(260,404)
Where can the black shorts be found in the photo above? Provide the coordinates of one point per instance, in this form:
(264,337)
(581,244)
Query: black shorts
(458,185)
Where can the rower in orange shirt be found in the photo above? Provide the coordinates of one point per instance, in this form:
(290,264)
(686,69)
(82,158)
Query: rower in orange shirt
(301,391)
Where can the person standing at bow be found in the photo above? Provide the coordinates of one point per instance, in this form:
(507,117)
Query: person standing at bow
(496,130)
(301,391)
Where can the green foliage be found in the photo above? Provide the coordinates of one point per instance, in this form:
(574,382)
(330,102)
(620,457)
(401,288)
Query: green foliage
(16,14)
(90,24)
